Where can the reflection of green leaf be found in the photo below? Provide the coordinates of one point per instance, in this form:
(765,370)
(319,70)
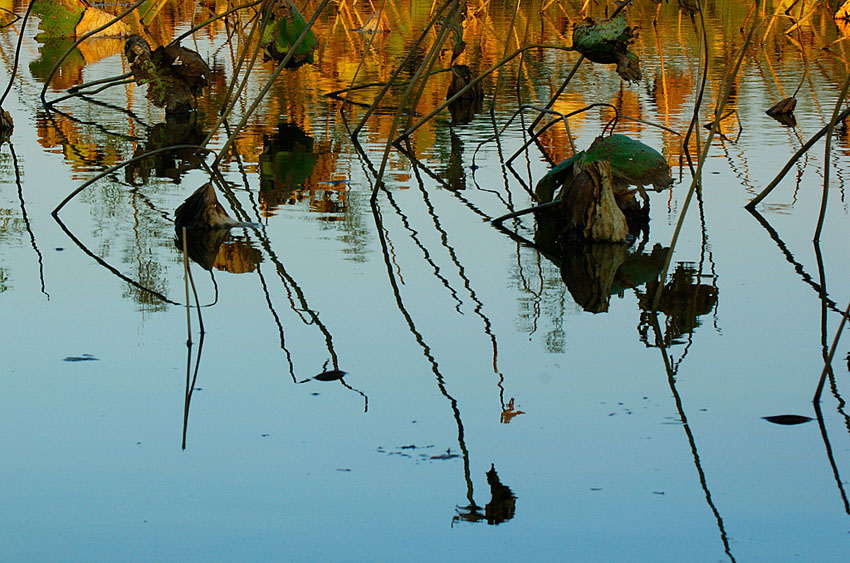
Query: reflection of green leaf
(50,52)
(288,170)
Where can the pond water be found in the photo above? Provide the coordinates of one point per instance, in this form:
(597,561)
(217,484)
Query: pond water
(501,400)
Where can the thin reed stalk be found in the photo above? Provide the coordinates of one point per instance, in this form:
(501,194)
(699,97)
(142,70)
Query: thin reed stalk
(398,70)
(208,21)
(800,152)
(186,284)
(827,151)
(472,83)
(378,15)
(405,97)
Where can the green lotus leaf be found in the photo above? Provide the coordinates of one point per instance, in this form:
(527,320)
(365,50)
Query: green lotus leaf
(632,162)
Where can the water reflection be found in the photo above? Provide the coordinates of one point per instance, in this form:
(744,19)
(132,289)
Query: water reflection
(500,509)
(220,249)
(684,299)
(185,128)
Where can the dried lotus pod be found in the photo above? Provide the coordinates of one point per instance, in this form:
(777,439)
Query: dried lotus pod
(590,211)
(201,210)
(786,106)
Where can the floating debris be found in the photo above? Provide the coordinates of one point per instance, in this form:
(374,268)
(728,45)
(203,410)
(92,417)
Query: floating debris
(331,375)
(783,112)
(787,419)
(83,358)
(445,456)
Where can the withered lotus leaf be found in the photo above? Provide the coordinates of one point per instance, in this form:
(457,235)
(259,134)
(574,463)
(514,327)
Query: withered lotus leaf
(174,75)
(607,42)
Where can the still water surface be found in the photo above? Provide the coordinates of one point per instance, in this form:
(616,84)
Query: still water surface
(494,407)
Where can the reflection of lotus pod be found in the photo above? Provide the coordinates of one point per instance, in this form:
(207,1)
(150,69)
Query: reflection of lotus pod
(285,26)
(202,245)
(237,257)
(589,270)
(607,42)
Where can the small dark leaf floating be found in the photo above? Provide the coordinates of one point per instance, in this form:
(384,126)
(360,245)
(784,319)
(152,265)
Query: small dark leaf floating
(83,358)
(783,112)
(787,419)
(331,375)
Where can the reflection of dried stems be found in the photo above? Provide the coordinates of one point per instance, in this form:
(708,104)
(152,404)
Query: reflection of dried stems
(671,380)
(827,150)
(118,166)
(272,78)
(697,178)
(828,363)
